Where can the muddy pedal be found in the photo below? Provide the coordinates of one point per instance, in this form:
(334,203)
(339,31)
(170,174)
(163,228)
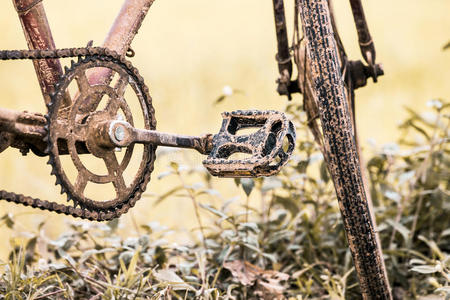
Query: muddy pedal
(267,149)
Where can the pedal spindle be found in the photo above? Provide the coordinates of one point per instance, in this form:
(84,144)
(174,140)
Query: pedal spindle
(267,149)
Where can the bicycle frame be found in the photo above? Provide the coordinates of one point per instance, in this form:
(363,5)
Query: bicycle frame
(39,36)
(127,23)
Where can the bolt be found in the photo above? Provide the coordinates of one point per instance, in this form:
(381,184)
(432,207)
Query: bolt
(119,133)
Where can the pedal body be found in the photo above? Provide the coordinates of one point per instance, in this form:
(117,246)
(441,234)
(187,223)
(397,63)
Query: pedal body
(266,150)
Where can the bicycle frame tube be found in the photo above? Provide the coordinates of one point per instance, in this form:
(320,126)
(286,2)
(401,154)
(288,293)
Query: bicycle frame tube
(38,35)
(283,56)
(364,37)
(122,32)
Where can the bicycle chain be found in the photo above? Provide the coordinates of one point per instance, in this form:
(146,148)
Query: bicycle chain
(79,212)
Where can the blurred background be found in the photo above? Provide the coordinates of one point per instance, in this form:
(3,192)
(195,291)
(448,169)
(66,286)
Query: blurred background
(188,51)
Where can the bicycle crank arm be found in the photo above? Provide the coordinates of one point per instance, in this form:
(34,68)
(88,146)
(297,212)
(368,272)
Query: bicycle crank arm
(122,134)
(266,150)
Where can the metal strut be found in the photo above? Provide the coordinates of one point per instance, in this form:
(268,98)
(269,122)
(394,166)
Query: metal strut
(365,42)
(283,57)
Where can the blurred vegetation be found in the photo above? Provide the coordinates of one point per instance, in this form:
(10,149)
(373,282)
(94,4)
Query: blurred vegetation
(289,244)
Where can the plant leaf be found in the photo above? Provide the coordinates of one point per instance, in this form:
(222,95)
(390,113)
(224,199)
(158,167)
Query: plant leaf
(247,184)
(446,46)
(400,228)
(427,269)
(173,279)
(324,172)
(167,194)
(213,210)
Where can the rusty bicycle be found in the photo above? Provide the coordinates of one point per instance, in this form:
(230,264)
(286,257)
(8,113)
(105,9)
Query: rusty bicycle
(100,107)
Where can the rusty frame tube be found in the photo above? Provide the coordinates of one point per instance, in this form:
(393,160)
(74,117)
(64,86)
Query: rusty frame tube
(39,36)
(365,39)
(22,130)
(285,86)
(283,56)
(25,130)
(126,25)
(22,123)
(122,33)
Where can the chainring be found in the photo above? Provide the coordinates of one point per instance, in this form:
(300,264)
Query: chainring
(72,129)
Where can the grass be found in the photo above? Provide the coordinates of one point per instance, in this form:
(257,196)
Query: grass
(187,51)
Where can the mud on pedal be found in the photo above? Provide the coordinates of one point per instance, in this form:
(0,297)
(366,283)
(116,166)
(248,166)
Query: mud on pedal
(267,149)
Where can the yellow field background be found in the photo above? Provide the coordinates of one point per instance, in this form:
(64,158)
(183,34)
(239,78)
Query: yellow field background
(187,51)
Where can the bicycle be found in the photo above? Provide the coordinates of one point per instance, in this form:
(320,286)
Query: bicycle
(81,122)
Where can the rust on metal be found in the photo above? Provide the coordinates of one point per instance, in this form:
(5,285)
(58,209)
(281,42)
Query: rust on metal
(365,39)
(269,147)
(359,73)
(22,130)
(85,127)
(39,36)
(126,25)
(122,134)
(26,131)
(22,123)
(283,56)
(122,33)
(81,128)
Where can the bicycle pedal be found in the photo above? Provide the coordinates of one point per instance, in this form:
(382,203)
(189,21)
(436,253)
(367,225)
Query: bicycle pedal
(267,149)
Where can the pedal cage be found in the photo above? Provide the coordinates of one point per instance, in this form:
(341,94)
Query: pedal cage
(269,148)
